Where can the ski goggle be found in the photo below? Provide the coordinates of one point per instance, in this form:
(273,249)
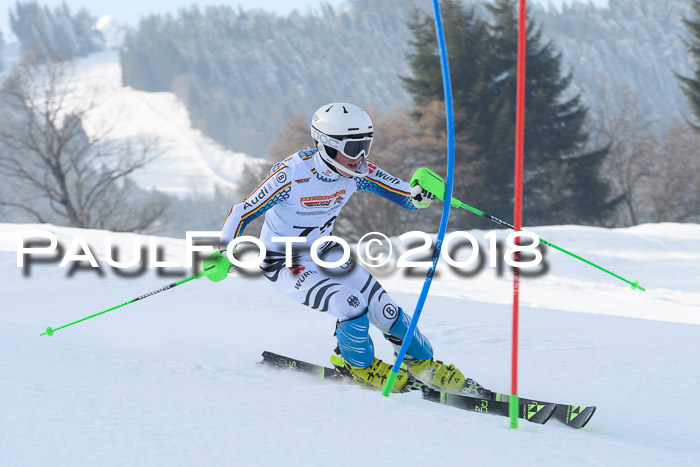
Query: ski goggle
(354,148)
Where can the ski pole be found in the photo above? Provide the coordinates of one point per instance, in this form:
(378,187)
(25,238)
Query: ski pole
(215,268)
(394,373)
(434,184)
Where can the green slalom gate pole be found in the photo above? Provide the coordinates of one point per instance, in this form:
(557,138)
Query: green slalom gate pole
(215,268)
(434,184)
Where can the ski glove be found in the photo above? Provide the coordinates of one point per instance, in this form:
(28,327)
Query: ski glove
(216,267)
(421,197)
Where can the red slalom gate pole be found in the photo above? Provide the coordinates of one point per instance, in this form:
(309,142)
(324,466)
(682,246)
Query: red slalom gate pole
(518,200)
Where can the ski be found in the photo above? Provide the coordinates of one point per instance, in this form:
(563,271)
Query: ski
(532,411)
(574,416)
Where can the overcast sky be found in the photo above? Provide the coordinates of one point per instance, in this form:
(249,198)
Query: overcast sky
(131,10)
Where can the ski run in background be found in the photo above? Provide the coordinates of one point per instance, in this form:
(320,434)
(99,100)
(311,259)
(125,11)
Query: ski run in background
(173,379)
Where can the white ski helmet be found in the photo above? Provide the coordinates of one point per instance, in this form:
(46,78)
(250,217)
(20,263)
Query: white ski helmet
(343,127)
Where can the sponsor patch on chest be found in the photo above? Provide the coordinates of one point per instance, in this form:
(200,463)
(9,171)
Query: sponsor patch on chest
(320,202)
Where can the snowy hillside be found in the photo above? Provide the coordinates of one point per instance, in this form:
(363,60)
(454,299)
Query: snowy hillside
(190,162)
(560,3)
(172,380)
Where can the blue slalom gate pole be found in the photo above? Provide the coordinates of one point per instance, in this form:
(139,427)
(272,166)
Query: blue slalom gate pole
(445,207)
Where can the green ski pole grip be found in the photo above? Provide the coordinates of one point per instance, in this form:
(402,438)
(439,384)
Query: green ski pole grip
(430,181)
(434,183)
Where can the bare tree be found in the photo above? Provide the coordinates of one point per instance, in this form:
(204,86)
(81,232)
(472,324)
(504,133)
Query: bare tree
(655,175)
(295,136)
(58,171)
(674,191)
(623,125)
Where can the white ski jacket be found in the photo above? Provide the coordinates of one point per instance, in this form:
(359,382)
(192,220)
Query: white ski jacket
(302,197)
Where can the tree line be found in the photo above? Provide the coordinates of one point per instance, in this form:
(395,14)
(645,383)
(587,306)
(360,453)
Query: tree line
(562,181)
(264,66)
(617,169)
(241,74)
(55,34)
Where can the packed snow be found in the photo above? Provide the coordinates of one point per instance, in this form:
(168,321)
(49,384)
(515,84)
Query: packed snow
(172,380)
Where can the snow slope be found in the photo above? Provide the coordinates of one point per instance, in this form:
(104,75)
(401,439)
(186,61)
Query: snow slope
(558,4)
(190,162)
(172,380)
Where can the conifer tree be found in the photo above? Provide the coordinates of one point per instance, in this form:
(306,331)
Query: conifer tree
(466,37)
(691,85)
(54,35)
(561,181)
(467,44)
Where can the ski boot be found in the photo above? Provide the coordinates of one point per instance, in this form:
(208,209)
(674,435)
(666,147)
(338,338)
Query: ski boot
(421,365)
(375,375)
(357,351)
(446,378)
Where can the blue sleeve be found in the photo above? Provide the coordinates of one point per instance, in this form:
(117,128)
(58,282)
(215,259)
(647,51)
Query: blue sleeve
(382,183)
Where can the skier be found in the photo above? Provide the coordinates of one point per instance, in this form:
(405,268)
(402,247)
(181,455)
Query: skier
(302,196)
